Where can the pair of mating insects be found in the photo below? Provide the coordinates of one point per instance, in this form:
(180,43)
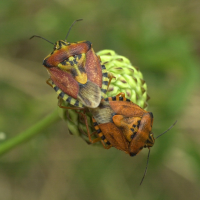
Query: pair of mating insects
(79,78)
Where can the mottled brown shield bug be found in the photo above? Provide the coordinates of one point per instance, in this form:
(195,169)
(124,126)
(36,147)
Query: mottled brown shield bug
(76,73)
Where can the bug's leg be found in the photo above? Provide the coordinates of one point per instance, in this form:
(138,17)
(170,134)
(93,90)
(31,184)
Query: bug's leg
(99,57)
(122,94)
(106,144)
(105,147)
(96,140)
(48,81)
(83,115)
(110,76)
(92,141)
(102,142)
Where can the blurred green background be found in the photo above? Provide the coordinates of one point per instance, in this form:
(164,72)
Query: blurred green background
(162,38)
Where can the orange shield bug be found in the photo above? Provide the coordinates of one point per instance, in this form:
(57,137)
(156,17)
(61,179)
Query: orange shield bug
(124,125)
(76,73)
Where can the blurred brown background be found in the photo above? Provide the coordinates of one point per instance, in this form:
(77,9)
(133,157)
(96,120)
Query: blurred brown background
(162,38)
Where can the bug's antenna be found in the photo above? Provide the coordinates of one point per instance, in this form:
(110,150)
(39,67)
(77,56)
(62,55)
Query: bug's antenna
(149,151)
(166,130)
(41,38)
(71,27)
(146,167)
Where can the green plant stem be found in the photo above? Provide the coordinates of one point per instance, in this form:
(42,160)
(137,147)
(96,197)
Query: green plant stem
(29,133)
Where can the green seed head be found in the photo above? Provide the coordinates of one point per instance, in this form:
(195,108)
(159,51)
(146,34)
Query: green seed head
(128,79)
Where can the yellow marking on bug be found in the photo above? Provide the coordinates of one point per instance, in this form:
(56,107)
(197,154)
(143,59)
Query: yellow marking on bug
(105,140)
(79,62)
(81,78)
(74,102)
(66,67)
(100,134)
(104,71)
(104,86)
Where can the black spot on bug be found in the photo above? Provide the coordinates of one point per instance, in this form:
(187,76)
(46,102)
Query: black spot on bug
(134,134)
(79,56)
(134,125)
(105,74)
(74,72)
(104,91)
(121,98)
(46,64)
(114,98)
(138,123)
(71,63)
(56,88)
(103,137)
(103,67)
(75,60)
(76,103)
(81,69)
(69,100)
(59,45)
(112,115)
(108,143)
(133,154)
(99,131)
(132,129)
(63,62)
(62,94)
(105,83)
(128,100)
(89,44)
(106,99)
(151,114)
(95,124)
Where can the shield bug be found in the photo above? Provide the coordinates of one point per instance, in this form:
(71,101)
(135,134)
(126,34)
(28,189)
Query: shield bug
(124,125)
(76,72)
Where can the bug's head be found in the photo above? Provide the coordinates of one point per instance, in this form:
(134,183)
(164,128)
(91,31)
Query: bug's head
(60,44)
(144,136)
(150,141)
(146,129)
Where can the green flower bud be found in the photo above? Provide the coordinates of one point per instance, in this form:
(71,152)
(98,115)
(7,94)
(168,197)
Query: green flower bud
(128,79)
